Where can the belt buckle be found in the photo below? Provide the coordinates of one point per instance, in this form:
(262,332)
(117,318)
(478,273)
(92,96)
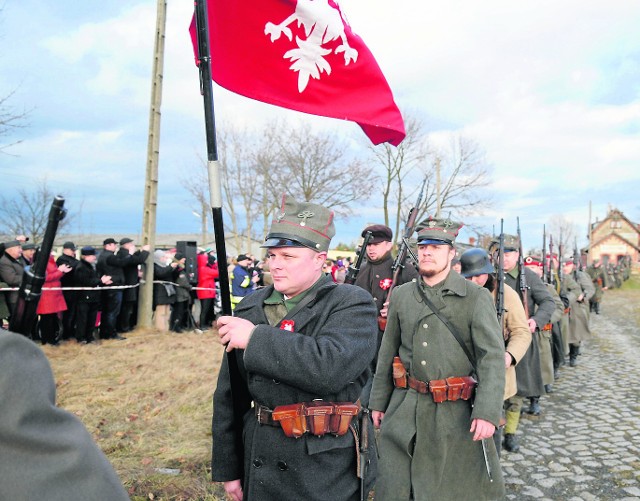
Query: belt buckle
(260,414)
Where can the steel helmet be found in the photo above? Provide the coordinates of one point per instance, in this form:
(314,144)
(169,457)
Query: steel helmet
(475,262)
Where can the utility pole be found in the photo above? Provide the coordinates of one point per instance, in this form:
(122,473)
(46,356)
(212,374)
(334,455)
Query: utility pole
(590,233)
(438,200)
(151,177)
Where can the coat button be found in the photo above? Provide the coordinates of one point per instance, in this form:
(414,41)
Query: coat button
(424,362)
(282,466)
(257,463)
(275,381)
(424,343)
(425,326)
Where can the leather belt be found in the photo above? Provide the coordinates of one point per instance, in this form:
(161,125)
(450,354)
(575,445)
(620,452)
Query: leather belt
(265,416)
(416,384)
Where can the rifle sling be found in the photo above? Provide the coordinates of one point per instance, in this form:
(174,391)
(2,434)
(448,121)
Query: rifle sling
(449,326)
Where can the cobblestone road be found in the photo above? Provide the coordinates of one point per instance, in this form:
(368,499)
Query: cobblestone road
(586,443)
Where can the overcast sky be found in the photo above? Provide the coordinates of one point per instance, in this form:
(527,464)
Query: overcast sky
(550,90)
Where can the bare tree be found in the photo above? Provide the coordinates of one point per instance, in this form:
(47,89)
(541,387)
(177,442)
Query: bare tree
(399,164)
(27,212)
(197,185)
(563,231)
(314,166)
(10,120)
(459,186)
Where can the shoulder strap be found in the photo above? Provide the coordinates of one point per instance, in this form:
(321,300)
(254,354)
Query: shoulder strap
(449,326)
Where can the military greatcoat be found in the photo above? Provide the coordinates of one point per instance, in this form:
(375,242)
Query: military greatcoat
(541,306)
(327,356)
(45,451)
(426,449)
(579,315)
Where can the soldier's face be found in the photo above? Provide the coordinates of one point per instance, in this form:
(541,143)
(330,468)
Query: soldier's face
(294,269)
(376,251)
(536,269)
(435,260)
(510,260)
(479,279)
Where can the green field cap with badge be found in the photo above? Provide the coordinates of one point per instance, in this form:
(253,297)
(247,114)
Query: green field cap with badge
(511,243)
(436,231)
(301,224)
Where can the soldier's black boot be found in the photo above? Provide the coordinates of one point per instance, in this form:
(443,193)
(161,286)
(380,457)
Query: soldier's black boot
(534,406)
(598,308)
(510,443)
(573,355)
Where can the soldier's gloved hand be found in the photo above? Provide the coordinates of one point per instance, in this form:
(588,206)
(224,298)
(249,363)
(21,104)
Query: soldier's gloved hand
(385,310)
(233,488)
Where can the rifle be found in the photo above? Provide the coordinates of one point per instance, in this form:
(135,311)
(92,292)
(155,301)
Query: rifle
(500,277)
(364,452)
(24,317)
(577,262)
(544,253)
(524,289)
(354,268)
(398,263)
(560,251)
(550,278)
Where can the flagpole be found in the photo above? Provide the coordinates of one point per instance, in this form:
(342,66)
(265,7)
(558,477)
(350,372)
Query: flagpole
(213,166)
(238,390)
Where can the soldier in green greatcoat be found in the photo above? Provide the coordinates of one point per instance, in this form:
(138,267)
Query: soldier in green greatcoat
(431,448)
(600,282)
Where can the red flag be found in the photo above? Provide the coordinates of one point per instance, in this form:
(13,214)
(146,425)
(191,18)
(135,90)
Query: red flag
(301,55)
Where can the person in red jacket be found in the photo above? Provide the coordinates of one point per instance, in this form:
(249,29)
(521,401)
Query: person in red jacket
(52,303)
(207,274)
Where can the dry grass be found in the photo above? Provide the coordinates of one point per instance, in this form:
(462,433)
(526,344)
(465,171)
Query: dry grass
(147,401)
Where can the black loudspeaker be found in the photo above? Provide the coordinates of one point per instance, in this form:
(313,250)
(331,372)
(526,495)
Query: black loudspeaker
(190,250)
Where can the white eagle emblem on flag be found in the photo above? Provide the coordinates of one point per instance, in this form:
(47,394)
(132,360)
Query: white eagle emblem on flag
(322,23)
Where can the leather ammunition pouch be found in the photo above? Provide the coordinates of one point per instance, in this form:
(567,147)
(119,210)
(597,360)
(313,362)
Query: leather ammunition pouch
(382,323)
(547,327)
(442,390)
(317,417)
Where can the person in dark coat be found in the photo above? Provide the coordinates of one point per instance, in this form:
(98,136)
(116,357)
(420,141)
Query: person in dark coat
(178,318)
(376,274)
(11,271)
(68,257)
(113,266)
(46,452)
(88,301)
(51,303)
(164,290)
(127,318)
(302,342)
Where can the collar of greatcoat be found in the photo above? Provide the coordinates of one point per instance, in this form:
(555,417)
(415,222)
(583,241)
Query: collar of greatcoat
(453,284)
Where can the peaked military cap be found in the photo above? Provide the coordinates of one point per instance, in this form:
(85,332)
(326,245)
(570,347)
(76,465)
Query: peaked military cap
(301,224)
(29,246)
(511,243)
(438,231)
(379,233)
(533,261)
